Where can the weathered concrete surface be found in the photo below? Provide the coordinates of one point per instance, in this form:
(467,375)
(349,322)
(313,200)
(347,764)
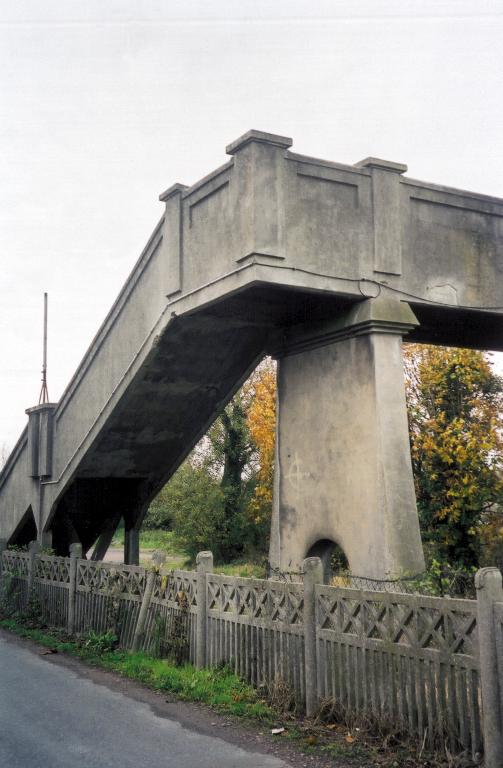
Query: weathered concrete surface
(343,470)
(52,716)
(269,241)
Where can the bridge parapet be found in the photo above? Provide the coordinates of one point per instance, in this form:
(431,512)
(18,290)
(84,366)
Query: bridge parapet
(267,246)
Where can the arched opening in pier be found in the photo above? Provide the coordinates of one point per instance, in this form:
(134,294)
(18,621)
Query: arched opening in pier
(332,556)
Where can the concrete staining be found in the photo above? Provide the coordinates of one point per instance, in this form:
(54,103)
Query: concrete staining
(342,445)
(326,266)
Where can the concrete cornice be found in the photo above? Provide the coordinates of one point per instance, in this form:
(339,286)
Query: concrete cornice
(174,189)
(379,316)
(260,137)
(41,408)
(382,165)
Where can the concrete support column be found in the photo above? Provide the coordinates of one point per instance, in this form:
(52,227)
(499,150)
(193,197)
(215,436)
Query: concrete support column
(490,591)
(40,439)
(132,546)
(75,555)
(343,468)
(45,539)
(204,565)
(313,575)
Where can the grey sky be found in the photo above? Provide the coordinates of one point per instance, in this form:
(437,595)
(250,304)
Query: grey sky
(104,104)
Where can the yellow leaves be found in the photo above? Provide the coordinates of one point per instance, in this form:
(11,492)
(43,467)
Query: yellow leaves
(262,415)
(456,431)
(261,421)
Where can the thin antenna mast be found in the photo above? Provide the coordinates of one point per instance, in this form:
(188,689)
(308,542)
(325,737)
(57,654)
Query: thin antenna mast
(44,393)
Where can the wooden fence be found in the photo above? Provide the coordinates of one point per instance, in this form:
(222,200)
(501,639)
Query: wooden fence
(256,627)
(421,665)
(410,660)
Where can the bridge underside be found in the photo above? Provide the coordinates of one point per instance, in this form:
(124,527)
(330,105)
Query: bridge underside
(193,370)
(327,267)
(191,373)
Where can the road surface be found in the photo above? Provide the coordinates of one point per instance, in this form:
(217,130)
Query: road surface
(52,716)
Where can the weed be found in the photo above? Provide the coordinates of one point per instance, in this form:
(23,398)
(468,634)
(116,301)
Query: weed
(176,645)
(32,613)
(11,595)
(100,642)
(280,695)
(159,635)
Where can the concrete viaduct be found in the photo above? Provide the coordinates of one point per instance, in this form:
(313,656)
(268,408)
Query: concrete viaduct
(323,265)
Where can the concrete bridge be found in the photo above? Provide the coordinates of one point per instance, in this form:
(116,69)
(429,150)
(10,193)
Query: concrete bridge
(327,267)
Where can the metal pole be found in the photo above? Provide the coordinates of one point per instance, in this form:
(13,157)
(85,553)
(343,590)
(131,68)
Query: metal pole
(44,394)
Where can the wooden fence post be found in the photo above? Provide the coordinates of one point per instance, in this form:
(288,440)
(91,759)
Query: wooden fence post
(75,555)
(490,591)
(145,605)
(204,563)
(33,551)
(313,574)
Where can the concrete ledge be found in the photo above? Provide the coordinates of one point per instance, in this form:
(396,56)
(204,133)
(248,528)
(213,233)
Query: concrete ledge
(383,165)
(174,189)
(261,138)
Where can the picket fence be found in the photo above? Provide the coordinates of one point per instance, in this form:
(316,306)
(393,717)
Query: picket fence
(425,666)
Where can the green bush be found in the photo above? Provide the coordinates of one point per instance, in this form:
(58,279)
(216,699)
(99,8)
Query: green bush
(193,503)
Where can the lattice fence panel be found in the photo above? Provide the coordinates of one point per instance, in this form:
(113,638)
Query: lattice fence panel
(14,582)
(109,578)
(405,659)
(169,587)
(108,597)
(15,563)
(53,569)
(171,622)
(14,589)
(256,626)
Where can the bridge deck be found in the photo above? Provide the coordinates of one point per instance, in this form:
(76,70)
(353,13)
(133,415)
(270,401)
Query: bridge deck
(269,240)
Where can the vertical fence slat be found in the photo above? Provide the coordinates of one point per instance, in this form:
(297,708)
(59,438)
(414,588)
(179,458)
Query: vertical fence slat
(413,660)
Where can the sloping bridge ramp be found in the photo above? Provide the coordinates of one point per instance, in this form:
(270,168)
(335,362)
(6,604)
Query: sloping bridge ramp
(327,267)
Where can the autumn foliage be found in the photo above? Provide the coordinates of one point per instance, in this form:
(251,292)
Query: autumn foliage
(222,497)
(261,418)
(455,422)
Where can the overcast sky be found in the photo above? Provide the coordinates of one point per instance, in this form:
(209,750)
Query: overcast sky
(105,103)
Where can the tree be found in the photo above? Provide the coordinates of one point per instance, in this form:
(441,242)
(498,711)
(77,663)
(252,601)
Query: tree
(261,418)
(221,497)
(231,453)
(455,426)
(194,508)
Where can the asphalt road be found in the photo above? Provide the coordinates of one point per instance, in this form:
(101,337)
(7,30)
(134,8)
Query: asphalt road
(53,717)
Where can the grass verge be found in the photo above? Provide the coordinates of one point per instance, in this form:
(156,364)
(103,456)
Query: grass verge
(348,745)
(153,539)
(243,568)
(216,687)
